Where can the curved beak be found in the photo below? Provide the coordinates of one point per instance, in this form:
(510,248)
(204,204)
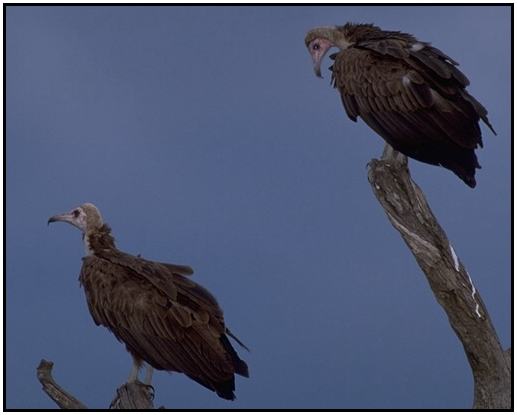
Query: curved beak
(318,48)
(64,217)
(317,69)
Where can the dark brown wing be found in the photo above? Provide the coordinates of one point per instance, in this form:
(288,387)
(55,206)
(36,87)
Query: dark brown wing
(441,73)
(163,318)
(168,279)
(419,106)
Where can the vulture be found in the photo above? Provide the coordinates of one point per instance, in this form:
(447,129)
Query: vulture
(164,318)
(409,92)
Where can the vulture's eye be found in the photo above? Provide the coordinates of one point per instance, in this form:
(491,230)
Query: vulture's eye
(316,46)
(76,213)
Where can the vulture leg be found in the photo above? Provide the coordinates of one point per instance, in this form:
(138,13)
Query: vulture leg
(133,375)
(148,379)
(390,153)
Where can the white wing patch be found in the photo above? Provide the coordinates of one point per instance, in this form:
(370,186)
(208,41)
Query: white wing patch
(415,47)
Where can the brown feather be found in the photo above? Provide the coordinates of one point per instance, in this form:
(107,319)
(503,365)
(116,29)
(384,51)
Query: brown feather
(160,315)
(414,97)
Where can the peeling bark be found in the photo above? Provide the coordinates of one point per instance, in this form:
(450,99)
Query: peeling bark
(61,397)
(133,396)
(129,395)
(408,211)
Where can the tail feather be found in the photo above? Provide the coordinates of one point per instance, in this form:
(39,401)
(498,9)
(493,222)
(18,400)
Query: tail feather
(240,366)
(225,389)
(234,337)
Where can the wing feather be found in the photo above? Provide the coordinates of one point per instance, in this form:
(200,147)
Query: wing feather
(163,318)
(414,99)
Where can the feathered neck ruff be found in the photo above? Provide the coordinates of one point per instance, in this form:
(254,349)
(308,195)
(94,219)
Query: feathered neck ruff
(101,239)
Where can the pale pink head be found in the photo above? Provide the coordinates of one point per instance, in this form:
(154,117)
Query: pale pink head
(319,40)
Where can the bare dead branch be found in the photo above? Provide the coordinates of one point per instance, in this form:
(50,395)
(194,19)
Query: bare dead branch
(508,354)
(408,211)
(129,395)
(62,398)
(133,396)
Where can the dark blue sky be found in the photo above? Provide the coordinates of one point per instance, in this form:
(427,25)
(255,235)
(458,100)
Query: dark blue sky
(204,137)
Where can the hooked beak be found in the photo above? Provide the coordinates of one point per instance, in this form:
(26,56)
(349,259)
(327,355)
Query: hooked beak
(317,69)
(64,217)
(318,48)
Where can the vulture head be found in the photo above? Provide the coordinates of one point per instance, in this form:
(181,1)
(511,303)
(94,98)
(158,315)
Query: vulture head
(319,40)
(86,217)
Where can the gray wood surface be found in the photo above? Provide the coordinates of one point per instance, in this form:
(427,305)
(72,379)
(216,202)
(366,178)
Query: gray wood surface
(454,289)
(128,396)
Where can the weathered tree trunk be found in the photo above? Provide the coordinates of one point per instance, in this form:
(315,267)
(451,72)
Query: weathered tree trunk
(409,213)
(129,395)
